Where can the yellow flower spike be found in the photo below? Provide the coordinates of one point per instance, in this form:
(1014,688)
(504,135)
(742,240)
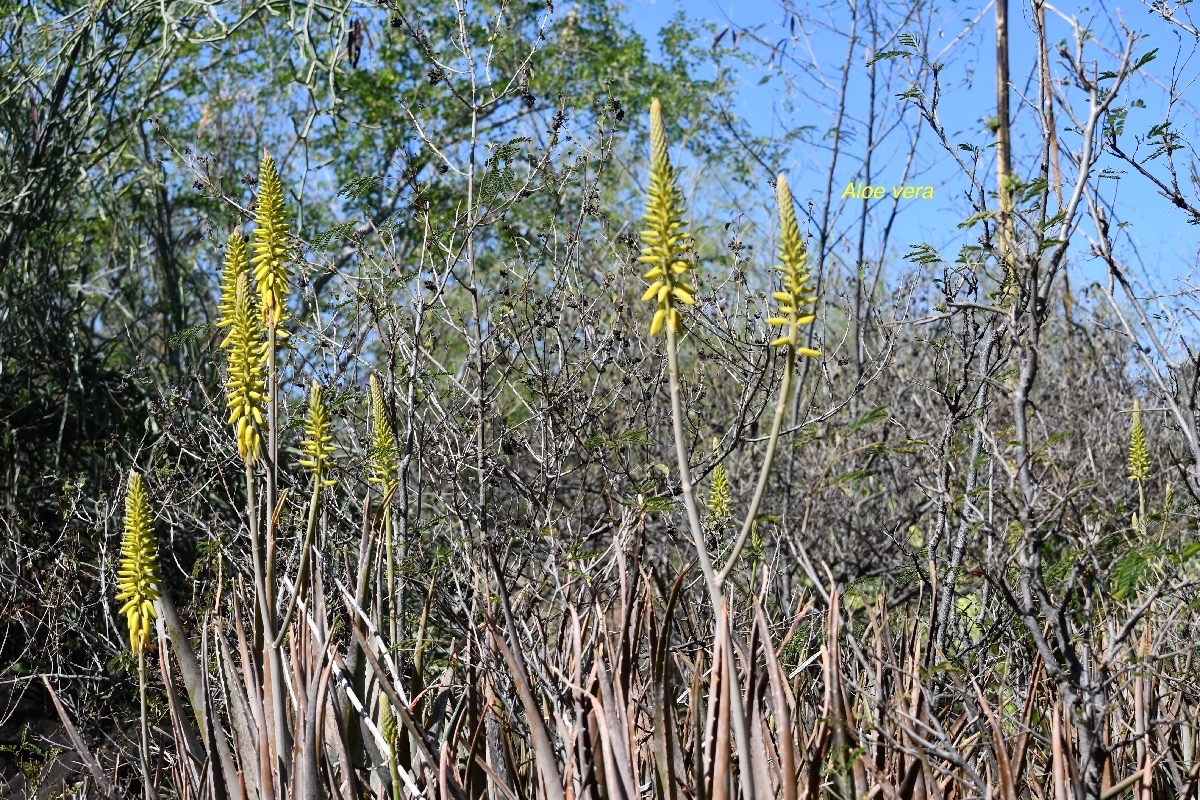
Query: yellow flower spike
(235,264)
(793,259)
(383,449)
(270,246)
(137,578)
(244,387)
(318,444)
(664,242)
(1139,454)
(720,497)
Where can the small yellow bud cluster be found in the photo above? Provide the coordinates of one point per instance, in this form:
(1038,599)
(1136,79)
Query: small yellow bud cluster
(1139,454)
(137,579)
(720,498)
(318,444)
(665,243)
(794,300)
(383,450)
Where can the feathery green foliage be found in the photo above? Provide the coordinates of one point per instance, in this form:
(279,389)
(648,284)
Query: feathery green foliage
(244,387)
(137,579)
(665,243)
(794,300)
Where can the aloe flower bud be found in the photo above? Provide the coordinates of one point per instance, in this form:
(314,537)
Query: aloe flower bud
(383,449)
(235,264)
(720,497)
(794,301)
(387,721)
(270,245)
(318,443)
(1139,455)
(137,578)
(244,386)
(665,243)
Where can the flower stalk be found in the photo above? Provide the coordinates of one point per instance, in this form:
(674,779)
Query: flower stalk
(794,302)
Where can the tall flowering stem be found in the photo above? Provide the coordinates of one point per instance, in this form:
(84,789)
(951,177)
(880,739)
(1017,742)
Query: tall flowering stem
(665,245)
(317,447)
(318,442)
(384,468)
(794,302)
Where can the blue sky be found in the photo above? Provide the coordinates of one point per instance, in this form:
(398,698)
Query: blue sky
(962,37)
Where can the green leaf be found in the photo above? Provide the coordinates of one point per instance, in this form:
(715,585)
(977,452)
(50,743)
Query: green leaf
(1146,59)
(660,504)
(853,476)
(870,418)
(497,182)
(345,231)
(971,220)
(1034,189)
(359,186)
(635,436)
(922,254)
(188,334)
(887,54)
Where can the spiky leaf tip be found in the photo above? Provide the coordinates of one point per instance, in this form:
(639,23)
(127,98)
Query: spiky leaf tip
(795,300)
(245,386)
(137,578)
(665,244)
(1139,454)
(318,443)
(383,462)
(271,258)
